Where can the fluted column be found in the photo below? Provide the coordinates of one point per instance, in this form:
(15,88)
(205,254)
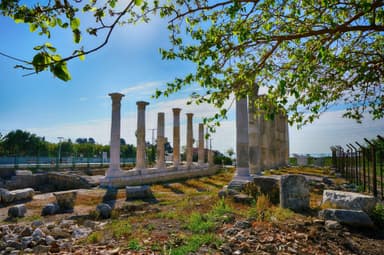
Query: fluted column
(254,139)
(114,151)
(160,152)
(140,135)
(189,149)
(176,136)
(201,154)
(242,154)
(210,155)
(286,140)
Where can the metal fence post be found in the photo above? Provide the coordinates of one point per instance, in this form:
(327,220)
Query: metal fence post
(363,161)
(373,157)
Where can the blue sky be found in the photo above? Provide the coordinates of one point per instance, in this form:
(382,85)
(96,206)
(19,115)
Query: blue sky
(130,64)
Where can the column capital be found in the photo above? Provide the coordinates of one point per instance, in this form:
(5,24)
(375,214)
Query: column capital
(116,96)
(190,115)
(176,110)
(141,104)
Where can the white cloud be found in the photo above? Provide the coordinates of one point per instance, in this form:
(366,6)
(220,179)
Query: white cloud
(146,88)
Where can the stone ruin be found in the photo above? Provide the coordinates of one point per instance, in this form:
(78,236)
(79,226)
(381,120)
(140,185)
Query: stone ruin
(141,174)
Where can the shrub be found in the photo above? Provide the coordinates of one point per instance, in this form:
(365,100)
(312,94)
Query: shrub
(378,215)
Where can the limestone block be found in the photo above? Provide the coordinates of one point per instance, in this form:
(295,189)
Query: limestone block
(22,194)
(23,172)
(17,211)
(104,210)
(294,192)
(268,185)
(354,218)
(138,192)
(5,196)
(50,209)
(349,200)
(65,200)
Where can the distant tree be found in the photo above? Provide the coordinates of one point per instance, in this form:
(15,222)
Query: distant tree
(81,140)
(22,143)
(91,140)
(122,141)
(168,147)
(230,152)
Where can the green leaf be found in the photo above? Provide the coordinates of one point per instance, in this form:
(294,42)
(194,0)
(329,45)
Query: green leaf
(33,27)
(138,2)
(76,35)
(112,3)
(75,23)
(40,61)
(50,47)
(60,70)
(82,55)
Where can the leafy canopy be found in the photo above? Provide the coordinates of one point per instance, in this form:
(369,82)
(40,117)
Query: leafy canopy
(308,55)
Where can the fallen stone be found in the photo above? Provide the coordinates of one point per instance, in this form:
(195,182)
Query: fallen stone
(22,194)
(81,232)
(238,184)
(267,185)
(138,192)
(294,192)
(104,210)
(26,241)
(49,239)
(65,200)
(5,196)
(17,211)
(41,249)
(50,209)
(36,223)
(23,172)
(27,231)
(242,224)
(59,233)
(332,225)
(349,200)
(351,218)
(37,235)
(242,199)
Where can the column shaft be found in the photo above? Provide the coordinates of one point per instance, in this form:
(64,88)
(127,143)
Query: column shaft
(254,139)
(242,156)
(189,149)
(114,151)
(140,135)
(160,151)
(176,136)
(201,154)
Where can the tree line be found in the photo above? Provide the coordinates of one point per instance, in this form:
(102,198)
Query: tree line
(23,143)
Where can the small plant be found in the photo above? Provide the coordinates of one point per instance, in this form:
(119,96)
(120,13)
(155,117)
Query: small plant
(378,215)
(281,214)
(134,245)
(262,208)
(198,223)
(95,237)
(120,228)
(193,243)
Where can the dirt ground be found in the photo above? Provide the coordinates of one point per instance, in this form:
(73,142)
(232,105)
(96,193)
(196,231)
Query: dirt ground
(166,223)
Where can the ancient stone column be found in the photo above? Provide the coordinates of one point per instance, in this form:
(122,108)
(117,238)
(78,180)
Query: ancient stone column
(254,139)
(201,154)
(114,151)
(189,149)
(210,154)
(286,140)
(176,136)
(140,135)
(160,151)
(264,139)
(242,154)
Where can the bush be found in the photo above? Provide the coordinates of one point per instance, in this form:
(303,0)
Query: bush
(378,215)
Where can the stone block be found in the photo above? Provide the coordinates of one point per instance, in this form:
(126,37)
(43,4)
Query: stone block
(294,192)
(65,200)
(353,218)
(268,185)
(138,192)
(104,210)
(349,200)
(22,194)
(17,211)
(50,209)
(5,196)
(242,199)
(23,172)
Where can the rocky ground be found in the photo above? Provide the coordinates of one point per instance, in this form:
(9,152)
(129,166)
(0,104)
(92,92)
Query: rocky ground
(185,217)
